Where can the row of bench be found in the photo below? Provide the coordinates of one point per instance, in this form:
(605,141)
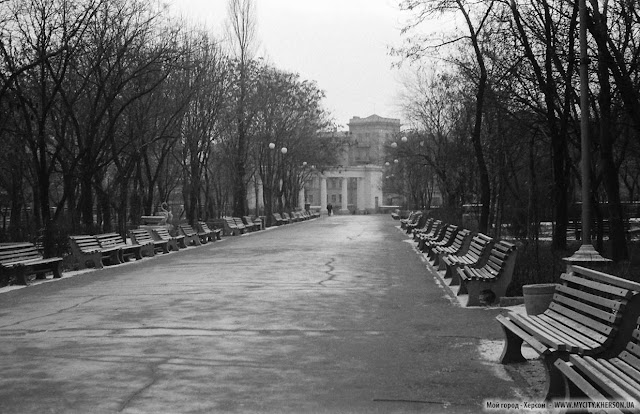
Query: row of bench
(481,266)
(588,338)
(19,261)
(110,248)
(241,225)
(294,217)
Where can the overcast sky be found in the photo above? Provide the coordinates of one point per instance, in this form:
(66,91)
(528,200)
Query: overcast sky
(341,44)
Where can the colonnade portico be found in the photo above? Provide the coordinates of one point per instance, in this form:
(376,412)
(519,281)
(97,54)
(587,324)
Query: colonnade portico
(368,187)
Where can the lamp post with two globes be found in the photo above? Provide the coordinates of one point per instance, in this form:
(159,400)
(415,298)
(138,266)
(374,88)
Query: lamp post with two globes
(273,180)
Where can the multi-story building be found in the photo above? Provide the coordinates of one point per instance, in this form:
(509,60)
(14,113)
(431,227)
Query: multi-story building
(355,184)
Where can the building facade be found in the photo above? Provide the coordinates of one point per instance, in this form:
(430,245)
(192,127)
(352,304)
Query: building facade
(355,184)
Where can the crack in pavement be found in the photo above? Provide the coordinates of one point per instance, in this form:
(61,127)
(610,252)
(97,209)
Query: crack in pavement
(59,311)
(329,264)
(153,368)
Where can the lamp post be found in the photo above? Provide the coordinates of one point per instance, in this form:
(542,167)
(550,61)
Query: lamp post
(586,253)
(275,180)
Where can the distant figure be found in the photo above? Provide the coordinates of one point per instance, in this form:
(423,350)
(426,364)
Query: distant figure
(164,211)
(329,208)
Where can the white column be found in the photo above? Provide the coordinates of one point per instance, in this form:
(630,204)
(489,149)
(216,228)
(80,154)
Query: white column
(345,194)
(260,200)
(301,199)
(361,197)
(323,194)
(376,188)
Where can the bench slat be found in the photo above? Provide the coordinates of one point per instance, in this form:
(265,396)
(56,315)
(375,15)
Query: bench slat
(607,278)
(587,330)
(583,307)
(628,364)
(541,336)
(577,334)
(554,329)
(580,318)
(532,341)
(620,377)
(586,387)
(589,297)
(594,285)
(599,378)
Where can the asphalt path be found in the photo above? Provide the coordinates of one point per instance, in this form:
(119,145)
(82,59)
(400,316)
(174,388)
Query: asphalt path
(334,315)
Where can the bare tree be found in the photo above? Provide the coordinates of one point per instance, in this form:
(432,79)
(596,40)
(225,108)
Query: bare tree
(242,33)
(425,9)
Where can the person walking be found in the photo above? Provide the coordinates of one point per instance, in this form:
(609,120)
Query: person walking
(329,208)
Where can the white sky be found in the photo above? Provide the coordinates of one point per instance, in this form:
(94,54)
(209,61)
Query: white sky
(341,44)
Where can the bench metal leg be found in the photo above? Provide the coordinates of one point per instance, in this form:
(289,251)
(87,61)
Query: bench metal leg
(556,384)
(21,274)
(147,250)
(475,288)
(115,257)
(138,253)
(512,351)
(455,278)
(172,245)
(57,270)
(463,288)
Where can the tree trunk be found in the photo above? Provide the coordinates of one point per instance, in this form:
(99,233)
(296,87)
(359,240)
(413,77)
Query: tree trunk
(619,250)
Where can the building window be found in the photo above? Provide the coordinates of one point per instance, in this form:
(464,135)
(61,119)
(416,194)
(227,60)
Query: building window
(333,198)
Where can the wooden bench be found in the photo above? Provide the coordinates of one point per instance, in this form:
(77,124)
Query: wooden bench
(279,220)
(605,379)
(21,260)
(240,225)
(204,231)
(418,222)
(87,249)
(190,235)
(113,240)
(477,255)
(286,217)
(425,240)
(148,245)
(252,224)
(428,224)
(489,283)
(592,313)
(411,218)
(231,228)
(173,242)
(605,224)
(152,220)
(459,246)
(449,237)
(424,234)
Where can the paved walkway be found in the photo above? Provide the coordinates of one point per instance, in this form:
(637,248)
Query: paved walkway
(333,315)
